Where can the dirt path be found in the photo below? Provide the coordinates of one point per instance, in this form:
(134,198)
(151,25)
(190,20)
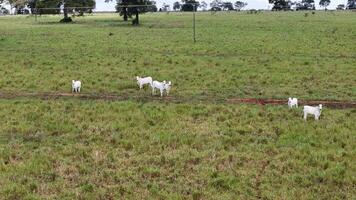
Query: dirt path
(171,99)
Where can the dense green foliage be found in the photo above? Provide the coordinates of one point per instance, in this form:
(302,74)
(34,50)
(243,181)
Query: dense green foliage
(280,4)
(129,8)
(351,4)
(189,5)
(54,7)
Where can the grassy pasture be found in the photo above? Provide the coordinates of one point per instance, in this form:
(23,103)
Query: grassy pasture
(98,149)
(84,149)
(273,55)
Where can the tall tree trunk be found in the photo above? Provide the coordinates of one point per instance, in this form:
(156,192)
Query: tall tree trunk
(65,13)
(137,21)
(125,14)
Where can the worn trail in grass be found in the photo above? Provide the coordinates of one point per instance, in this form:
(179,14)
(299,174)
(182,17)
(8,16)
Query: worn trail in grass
(142,97)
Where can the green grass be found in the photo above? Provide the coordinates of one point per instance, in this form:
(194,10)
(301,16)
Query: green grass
(274,55)
(86,149)
(98,149)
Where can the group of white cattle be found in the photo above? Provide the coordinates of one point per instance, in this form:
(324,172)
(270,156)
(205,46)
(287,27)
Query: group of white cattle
(166,86)
(161,86)
(312,110)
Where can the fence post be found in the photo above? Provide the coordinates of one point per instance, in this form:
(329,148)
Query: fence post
(194,23)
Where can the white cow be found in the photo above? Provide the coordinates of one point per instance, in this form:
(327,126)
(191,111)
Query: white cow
(143,81)
(167,87)
(292,102)
(76,85)
(158,85)
(316,111)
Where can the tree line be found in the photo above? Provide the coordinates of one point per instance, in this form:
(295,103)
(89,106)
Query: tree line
(308,4)
(132,8)
(126,8)
(52,7)
(216,5)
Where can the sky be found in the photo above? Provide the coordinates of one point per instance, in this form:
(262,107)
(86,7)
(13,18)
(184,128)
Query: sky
(252,4)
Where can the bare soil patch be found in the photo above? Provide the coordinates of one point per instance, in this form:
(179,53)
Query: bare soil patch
(172,99)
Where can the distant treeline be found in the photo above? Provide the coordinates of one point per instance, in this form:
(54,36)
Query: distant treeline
(132,8)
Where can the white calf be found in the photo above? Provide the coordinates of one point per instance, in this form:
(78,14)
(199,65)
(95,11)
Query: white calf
(316,111)
(167,87)
(76,85)
(159,85)
(292,102)
(143,81)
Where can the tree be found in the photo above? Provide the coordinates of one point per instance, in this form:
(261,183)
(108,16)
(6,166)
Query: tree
(176,6)
(280,4)
(227,6)
(153,7)
(189,5)
(216,5)
(340,7)
(37,5)
(68,6)
(239,5)
(128,8)
(306,5)
(351,4)
(203,5)
(324,3)
(3,11)
(165,7)
(19,5)
(87,6)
